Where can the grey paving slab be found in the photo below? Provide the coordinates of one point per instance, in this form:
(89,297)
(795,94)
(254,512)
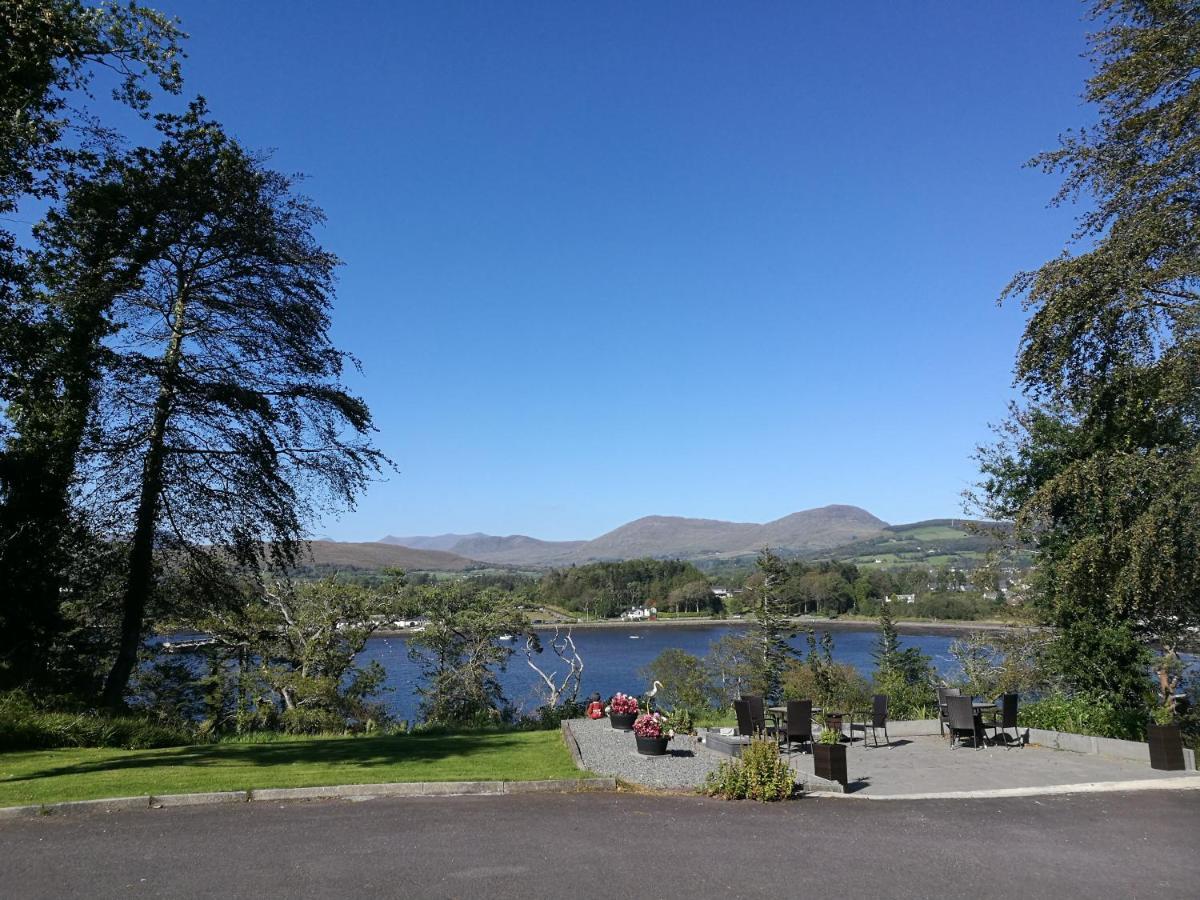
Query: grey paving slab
(927,764)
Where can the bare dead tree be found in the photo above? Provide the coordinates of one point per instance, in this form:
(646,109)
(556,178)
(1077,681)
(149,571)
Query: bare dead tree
(564,648)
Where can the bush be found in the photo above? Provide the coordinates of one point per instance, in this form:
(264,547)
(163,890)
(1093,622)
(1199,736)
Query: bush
(829,685)
(684,678)
(1083,715)
(761,774)
(907,700)
(549,718)
(24,726)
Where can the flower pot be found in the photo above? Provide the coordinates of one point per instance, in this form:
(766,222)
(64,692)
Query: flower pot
(651,746)
(623,721)
(829,762)
(1166,747)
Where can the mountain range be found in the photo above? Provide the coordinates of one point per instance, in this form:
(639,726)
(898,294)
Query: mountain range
(664,537)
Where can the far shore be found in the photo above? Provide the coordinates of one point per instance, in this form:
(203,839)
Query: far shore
(909,626)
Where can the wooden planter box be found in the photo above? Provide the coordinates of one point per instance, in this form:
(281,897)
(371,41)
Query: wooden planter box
(1166,747)
(829,762)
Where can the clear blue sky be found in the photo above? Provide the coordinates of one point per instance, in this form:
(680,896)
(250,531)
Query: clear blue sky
(607,260)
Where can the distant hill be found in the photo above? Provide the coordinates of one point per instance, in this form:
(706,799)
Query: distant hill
(934,542)
(437,542)
(670,537)
(375,556)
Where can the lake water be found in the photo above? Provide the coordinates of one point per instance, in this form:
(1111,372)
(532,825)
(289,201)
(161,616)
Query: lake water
(613,656)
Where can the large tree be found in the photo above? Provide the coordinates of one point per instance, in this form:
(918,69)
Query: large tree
(221,427)
(51,320)
(1100,466)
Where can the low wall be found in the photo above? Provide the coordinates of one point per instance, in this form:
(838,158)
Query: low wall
(1135,751)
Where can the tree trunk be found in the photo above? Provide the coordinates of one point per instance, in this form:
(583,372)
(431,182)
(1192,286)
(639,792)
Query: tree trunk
(140,574)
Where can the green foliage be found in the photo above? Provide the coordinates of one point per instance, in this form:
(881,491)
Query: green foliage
(1002,662)
(731,665)
(684,678)
(287,658)
(829,684)
(760,774)
(906,699)
(769,634)
(683,720)
(1081,714)
(607,589)
(1100,468)
(892,662)
(460,653)
(548,718)
(829,736)
(25,726)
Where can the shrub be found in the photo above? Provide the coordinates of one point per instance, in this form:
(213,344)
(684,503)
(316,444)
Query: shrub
(761,774)
(549,718)
(684,678)
(683,720)
(907,700)
(24,726)
(829,685)
(1081,714)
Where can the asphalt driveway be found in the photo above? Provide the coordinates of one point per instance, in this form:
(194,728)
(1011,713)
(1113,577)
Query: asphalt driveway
(616,845)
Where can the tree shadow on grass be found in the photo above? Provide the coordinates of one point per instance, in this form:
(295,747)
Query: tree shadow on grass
(359,752)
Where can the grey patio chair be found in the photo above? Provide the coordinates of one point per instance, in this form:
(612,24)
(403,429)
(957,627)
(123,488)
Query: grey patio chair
(1005,718)
(876,720)
(961,719)
(799,727)
(942,694)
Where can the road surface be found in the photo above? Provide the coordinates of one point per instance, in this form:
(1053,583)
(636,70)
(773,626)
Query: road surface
(616,845)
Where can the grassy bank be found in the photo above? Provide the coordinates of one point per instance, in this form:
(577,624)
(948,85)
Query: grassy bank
(48,776)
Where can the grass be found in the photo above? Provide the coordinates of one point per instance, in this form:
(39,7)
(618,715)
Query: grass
(49,776)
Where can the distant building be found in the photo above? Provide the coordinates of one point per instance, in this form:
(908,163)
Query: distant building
(900,598)
(640,614)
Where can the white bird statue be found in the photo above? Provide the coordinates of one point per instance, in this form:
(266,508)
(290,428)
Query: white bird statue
(654,690)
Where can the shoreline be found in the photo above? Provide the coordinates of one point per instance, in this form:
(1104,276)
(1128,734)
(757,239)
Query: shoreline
(911,626)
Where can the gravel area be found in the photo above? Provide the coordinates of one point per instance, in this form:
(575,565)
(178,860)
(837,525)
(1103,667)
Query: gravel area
(608,751)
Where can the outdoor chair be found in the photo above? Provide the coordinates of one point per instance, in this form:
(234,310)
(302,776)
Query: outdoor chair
(745,723)
(942,694)
(798,729)
(758,714)
(1005,718)
(961,719)
(876,720)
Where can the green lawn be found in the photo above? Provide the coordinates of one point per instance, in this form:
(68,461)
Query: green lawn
(48,776)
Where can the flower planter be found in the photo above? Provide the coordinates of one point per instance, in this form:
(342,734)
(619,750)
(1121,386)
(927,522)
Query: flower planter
(623,721)
(829,762)
(651,746)
(1166,747)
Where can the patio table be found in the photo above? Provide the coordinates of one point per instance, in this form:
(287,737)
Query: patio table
(779,713)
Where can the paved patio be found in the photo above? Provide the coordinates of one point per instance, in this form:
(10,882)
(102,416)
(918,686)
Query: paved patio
(916,763)
(925,764)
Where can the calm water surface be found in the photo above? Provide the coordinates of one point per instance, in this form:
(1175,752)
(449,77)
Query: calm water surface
(612,658)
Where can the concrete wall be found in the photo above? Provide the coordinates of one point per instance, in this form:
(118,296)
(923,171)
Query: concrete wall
(1135,751)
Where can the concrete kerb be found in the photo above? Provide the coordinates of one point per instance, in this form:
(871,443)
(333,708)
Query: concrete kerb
(1183,783)
(336,792)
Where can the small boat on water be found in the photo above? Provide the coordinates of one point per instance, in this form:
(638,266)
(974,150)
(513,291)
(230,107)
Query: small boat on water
(505,637)
(635,637)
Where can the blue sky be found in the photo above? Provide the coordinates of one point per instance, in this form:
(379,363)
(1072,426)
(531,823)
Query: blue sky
(707,259)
